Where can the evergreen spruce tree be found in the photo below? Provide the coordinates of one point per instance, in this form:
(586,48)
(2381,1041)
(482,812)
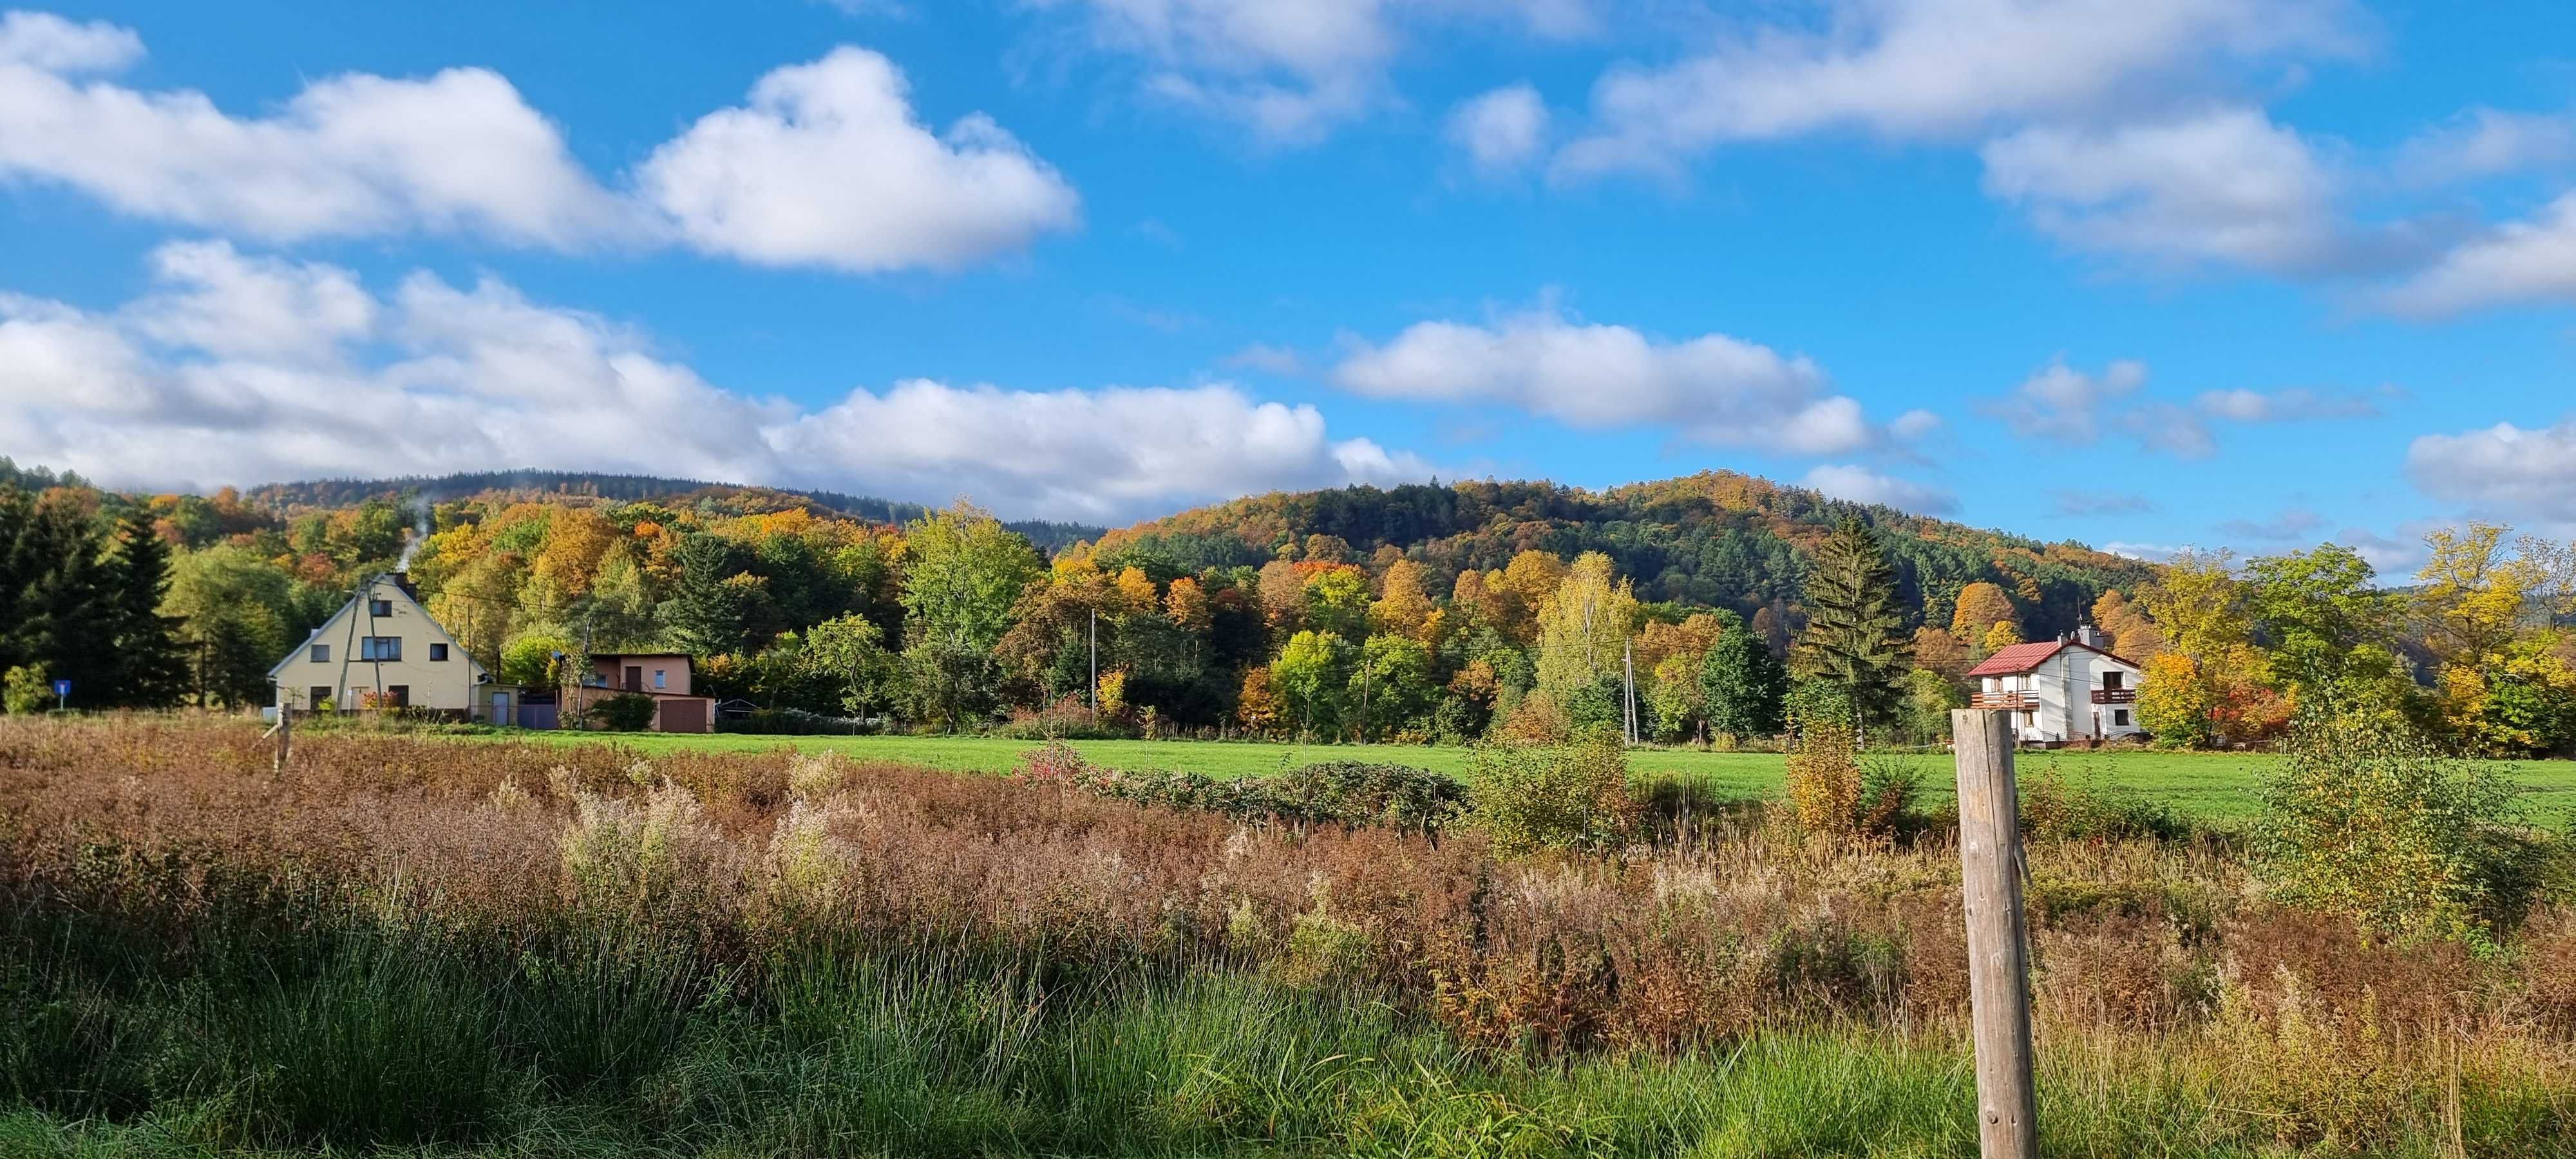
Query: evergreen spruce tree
(1855,637)
(145,666)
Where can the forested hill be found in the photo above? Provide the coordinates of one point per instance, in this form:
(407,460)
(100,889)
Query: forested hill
(331,493)
(1716,538)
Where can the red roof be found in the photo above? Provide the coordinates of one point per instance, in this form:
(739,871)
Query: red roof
(2014,659)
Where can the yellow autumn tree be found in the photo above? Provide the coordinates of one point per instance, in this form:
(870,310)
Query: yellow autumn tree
(1584,626)
(1980,607)
(1402,605)
(1521,590)
(1187,604)
(2004,634)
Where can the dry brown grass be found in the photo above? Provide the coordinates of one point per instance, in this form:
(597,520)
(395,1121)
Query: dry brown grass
(1742,927)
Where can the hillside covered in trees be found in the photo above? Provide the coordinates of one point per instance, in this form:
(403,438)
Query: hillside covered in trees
(1716,539)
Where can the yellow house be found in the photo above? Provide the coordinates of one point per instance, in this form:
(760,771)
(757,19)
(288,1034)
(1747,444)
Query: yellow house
(383,650)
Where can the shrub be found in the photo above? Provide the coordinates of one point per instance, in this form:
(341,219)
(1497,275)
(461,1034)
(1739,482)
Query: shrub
(624,712)
(1360,793)
(2368,819)
(1836,791)
(1556,796)
(796,722)
(2055,808)
(24,689)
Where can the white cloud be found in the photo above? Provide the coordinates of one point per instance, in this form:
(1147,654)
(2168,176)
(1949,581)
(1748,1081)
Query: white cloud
(827,166)
(2484,142)
(1291,70)
(1713,388)
(2523,261)
(1914,424)
(2062,403)
(2150,552)
(1500,130)
(1861,485)
(435,377)
(2224,184)
(45,41)
(2296,404)
(1939,69)
(2504,471)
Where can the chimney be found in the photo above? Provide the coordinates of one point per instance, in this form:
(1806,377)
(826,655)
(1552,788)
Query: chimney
(2089,636)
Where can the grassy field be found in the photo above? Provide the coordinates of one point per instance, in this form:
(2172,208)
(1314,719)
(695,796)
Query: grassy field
(416,946)
(2212,786)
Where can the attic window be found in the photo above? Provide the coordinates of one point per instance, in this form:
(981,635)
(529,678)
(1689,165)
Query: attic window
(438,651)
(321,653)
(379,647)
(380,607)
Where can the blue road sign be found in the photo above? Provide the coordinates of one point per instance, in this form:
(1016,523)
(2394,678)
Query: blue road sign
(62,688)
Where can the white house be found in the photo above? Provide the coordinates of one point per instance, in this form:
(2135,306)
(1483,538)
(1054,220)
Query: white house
(2066,691)
(383,650)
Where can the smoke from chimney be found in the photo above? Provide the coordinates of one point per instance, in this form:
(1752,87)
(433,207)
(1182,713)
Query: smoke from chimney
(411,546)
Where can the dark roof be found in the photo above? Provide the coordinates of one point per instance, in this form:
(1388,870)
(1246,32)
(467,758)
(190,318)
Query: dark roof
(2014,659)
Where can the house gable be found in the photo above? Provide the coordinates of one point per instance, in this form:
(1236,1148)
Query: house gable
(345,626)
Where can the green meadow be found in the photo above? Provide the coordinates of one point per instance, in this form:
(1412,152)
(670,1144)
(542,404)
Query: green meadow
(2219,787)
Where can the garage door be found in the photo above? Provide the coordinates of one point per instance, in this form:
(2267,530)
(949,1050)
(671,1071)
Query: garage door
(684,716)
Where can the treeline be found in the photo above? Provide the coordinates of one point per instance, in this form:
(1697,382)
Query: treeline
(530,483)
(1459,612)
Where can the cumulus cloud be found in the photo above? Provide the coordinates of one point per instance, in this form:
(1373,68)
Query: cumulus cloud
(2062,403)
(45,41)
(1291,72)
(2224,185)
(1502,130)
(2150,552)
(205,380)
(2502,471)
(2484,142)
(826,165)
(1713,388)
(1862,485)
(2523,261)
(1937,69)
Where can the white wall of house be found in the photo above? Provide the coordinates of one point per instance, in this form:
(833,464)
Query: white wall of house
(430,668)
(2061,688)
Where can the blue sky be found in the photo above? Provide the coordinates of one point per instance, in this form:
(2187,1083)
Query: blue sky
(2144,273)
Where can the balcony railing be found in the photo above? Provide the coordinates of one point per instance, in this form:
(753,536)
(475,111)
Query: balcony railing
(2020,701)
(2115,696)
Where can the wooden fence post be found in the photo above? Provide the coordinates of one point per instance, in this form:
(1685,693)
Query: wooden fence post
(1998,942)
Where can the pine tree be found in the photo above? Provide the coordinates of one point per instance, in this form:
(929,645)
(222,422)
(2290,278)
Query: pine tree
(1855,637)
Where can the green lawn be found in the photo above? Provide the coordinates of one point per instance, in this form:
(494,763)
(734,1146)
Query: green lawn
(2217,786)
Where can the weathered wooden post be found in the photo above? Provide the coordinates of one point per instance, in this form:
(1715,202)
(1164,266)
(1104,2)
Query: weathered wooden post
(1998,943)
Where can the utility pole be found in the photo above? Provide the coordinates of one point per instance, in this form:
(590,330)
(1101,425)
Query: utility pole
(1093,696)
(1990,863)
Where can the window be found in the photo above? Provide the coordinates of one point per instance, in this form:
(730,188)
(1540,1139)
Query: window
(379,647)
(315,695)
(2120,716)
(438,651)
(380,607)
(321,653)
(2114,680)
(658,681)
(397,696)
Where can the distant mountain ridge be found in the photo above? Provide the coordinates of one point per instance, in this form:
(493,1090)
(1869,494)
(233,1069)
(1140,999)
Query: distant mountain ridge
(1046,534)
(1717,538)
